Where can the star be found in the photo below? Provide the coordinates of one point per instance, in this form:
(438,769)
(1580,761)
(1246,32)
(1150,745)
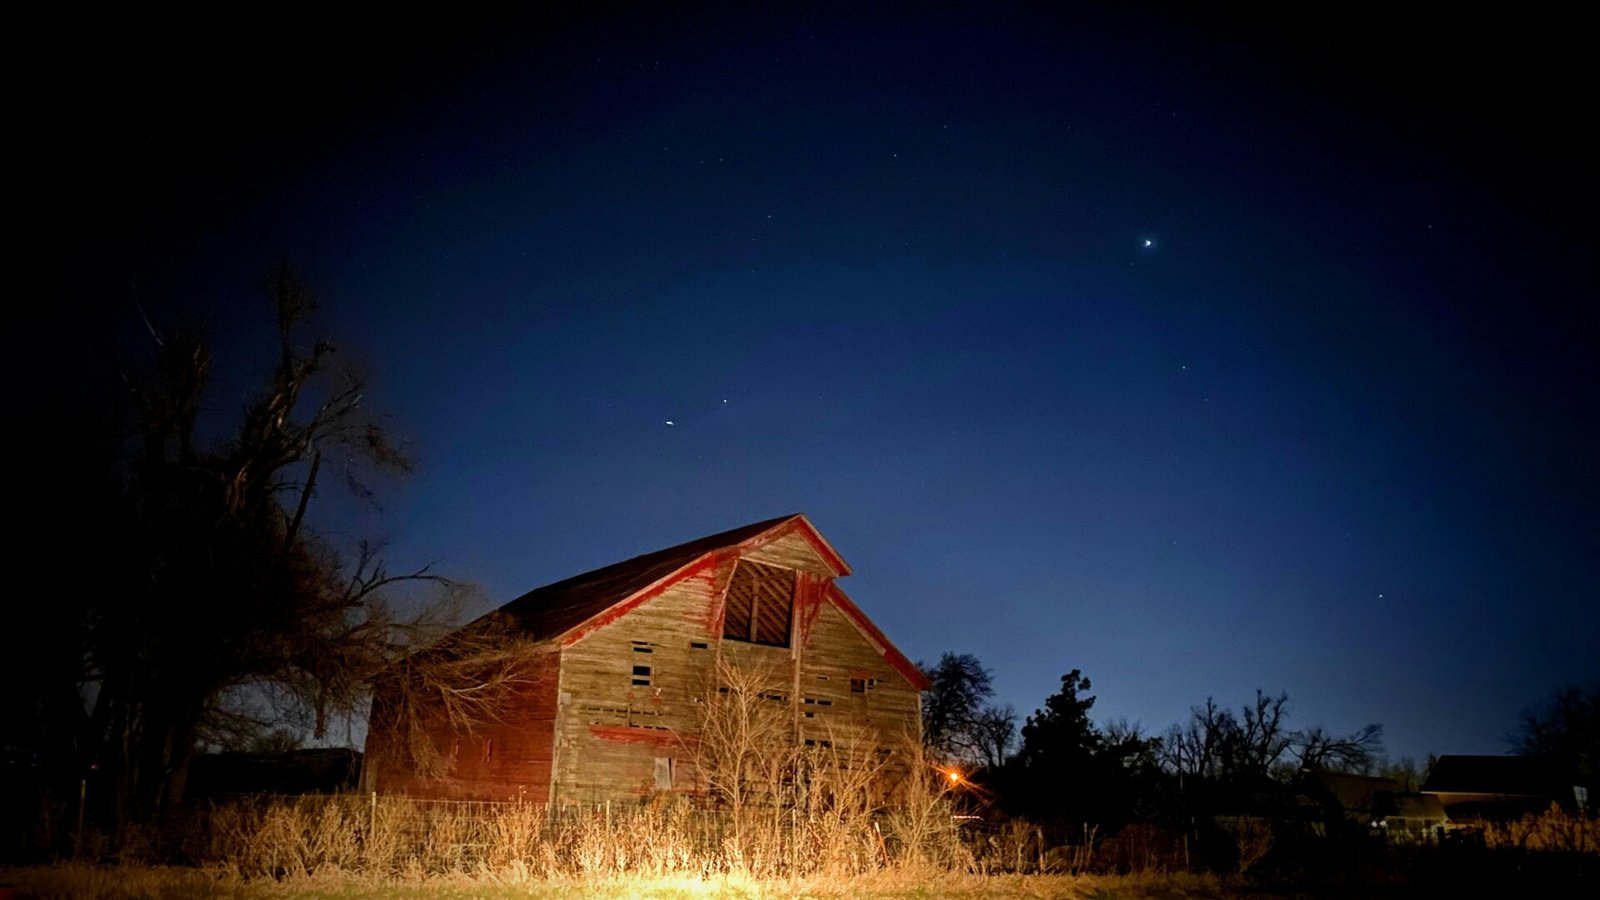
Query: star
(670,423)
(1149,243)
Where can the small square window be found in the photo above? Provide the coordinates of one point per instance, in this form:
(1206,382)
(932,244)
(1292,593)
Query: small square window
(641,675)
(858,685)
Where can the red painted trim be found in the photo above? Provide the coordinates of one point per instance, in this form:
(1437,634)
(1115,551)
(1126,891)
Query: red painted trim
(709,560)
(821,545)
(618,610)
(891,654)
(801,525)
(808,604)
(722,570)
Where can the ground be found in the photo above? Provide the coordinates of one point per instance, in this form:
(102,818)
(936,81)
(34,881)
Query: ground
(107,882)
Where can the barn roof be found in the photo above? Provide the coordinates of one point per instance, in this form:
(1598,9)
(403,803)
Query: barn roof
(555,609)
(558,609)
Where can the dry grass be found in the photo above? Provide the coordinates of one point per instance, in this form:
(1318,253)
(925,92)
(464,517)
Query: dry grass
(78,880)
(1554,830)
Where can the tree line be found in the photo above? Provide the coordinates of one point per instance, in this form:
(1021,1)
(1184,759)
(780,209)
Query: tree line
(1061,766)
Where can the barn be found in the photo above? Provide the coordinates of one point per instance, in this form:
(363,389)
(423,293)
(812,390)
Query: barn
(623,655)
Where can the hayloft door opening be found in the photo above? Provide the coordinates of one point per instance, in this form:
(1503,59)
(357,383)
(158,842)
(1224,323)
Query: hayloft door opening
(760,604)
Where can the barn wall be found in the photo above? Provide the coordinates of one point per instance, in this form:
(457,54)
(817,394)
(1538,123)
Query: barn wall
(614,734)
(611,731)
(886,713)
(504,761)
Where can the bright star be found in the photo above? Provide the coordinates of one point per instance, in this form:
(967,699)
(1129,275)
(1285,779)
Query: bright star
(1148,242)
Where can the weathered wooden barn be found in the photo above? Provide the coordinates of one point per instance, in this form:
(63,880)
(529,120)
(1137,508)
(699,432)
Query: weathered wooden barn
(623,654)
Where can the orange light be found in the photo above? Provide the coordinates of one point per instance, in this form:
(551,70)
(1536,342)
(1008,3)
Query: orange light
(954,776)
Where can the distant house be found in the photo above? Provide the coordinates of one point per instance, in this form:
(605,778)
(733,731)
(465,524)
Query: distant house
(623,653)
(1368,801)
(1494,787)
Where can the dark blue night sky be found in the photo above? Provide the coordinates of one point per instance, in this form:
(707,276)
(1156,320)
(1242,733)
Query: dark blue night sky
(1196,352)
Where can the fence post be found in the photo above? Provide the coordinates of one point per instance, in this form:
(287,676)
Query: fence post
(83,797)
(372,817)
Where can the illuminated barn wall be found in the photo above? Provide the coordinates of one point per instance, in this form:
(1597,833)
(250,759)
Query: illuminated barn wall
(627,649)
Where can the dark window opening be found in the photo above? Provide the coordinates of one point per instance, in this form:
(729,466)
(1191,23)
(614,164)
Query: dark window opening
(824,702)
(858,685)
(643,647)
(699,645)
(641,675)
(760,604)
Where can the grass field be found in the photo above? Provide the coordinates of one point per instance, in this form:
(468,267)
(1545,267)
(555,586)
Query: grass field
(75,880)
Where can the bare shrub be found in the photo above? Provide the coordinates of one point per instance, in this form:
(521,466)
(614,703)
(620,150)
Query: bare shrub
(1141,847)
(1555,830)
(922,819)
(1252,838)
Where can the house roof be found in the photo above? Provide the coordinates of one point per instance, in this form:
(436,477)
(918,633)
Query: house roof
(563,609)
(1504,775)
(1353,792)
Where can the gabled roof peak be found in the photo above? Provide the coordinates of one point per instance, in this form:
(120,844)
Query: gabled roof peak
(554,609)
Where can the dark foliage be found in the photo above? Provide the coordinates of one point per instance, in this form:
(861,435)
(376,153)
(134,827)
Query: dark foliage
(1565,731)
(202,607)
(953,708)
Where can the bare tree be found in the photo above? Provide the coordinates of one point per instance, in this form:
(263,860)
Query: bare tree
(994,733)
(746,746)
(1565,731)
(1357,753)
(1216,744)
(953,705)
(217,587)
(464,681)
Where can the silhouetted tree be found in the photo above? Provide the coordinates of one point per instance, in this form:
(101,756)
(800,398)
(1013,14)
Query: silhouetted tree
(1215,744)
(1054,774)
(995,732)
(1565,730)
(212,610)
(1356,753)
(1061,731)
(1405,771)
(953,705)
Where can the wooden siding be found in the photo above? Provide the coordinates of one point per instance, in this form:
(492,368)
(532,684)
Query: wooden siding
(615,712)
(886,711)
(611,731)
(791,551)
(510,760)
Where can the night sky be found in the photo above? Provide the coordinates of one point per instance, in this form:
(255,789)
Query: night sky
(1198,352)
